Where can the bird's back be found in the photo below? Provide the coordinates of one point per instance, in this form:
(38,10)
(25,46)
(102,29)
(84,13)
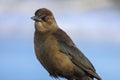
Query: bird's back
(83,65)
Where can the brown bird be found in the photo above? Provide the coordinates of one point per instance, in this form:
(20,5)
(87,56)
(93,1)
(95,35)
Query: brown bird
(56,51)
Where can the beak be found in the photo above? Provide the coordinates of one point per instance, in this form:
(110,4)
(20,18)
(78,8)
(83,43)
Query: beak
(36,18)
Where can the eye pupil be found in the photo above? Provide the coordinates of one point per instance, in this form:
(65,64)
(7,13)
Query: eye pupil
(44,18)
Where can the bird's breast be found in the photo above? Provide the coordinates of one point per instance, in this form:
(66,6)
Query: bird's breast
(51,58)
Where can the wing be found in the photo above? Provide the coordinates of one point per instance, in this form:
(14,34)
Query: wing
(77,57)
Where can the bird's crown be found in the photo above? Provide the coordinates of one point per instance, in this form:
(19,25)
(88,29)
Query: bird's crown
(43,11)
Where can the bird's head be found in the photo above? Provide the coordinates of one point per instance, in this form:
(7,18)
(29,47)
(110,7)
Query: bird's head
(44,20)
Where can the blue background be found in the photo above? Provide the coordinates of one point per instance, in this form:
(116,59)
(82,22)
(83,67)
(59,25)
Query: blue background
(94,26)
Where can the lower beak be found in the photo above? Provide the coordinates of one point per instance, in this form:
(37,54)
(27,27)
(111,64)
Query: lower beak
(36,18)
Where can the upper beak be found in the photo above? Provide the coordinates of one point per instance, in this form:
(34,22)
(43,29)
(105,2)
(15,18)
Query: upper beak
(36,18)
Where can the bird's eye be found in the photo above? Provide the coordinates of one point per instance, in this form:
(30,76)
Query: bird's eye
(45,18)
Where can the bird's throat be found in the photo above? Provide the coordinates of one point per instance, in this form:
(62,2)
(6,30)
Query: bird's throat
(40,27)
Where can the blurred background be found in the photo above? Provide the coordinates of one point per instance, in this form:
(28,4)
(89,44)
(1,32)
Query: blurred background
(94,26)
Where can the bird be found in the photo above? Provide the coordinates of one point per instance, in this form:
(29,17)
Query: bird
(56,51)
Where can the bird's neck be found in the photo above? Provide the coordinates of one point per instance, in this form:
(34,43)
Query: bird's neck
(44,35)
(45,28)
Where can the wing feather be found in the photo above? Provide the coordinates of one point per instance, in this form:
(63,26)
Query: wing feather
(77,57)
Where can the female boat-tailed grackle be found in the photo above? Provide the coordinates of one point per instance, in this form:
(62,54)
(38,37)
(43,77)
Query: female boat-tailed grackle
(56,51)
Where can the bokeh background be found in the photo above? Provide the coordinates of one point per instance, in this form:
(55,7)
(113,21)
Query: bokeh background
(94,26)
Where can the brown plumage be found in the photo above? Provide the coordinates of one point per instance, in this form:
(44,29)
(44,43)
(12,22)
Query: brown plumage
(57,52)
